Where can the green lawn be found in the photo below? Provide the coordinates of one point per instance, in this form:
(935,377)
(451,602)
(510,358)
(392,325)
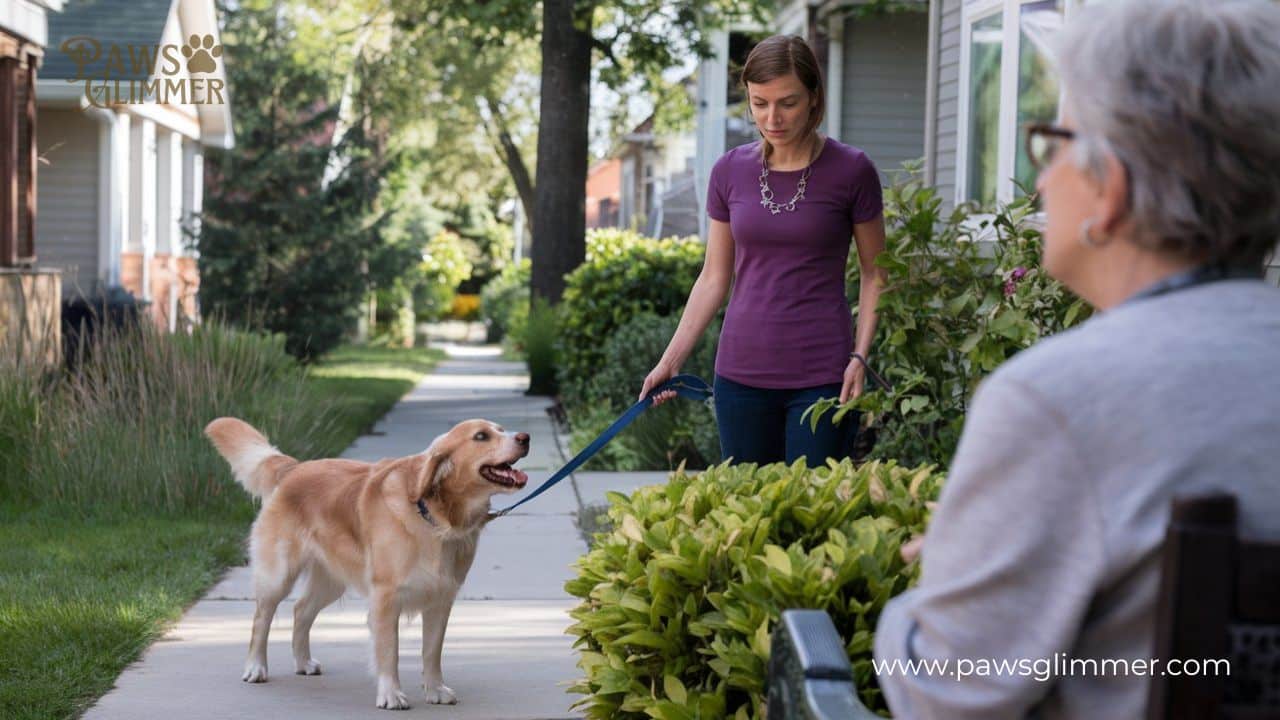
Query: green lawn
(81,598)
(367,381)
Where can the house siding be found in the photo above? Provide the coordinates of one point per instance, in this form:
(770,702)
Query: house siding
(883,88)
(67,198)
(948,110)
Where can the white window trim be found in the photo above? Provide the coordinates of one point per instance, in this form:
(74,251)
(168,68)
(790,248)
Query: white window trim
(971,12)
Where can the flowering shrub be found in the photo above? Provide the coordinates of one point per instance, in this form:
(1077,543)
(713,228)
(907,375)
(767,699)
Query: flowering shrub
(952,311)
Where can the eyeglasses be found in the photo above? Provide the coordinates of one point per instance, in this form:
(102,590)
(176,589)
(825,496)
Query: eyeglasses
(1044,141)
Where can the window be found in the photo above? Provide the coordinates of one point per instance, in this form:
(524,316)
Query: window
(1007,81)
(1037,84)
(985,45)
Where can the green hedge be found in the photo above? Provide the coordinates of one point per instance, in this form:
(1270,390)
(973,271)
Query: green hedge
(624,274)
(504,300)
(663,437)
(678,601)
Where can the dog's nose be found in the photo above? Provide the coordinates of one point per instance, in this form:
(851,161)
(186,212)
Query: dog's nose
(522,439)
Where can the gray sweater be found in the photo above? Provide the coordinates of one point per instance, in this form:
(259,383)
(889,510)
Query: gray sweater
(1046,540)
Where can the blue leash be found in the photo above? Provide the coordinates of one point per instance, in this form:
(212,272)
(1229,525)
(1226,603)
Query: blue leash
(689,386)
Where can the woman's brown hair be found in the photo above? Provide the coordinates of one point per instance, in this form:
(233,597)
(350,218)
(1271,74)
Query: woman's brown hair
(780,55)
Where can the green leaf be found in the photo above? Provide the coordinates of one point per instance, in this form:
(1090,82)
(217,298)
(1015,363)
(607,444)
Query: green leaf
(631,529)
(645,638)
(674,689)
(778,559)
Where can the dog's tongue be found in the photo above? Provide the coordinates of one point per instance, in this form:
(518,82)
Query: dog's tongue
(513,475)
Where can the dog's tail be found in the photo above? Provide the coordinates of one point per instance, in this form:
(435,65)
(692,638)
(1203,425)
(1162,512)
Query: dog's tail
(256,464)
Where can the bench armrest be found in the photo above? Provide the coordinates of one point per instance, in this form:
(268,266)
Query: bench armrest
(809,673)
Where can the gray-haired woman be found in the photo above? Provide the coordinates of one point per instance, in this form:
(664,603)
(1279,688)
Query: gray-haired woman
(1161,187)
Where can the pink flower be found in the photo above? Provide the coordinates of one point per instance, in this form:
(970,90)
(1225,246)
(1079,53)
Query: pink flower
(1019,273)
(1010,287)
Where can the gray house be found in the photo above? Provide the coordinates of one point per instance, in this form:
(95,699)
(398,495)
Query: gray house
(951,82)
(130,95)
(989,75)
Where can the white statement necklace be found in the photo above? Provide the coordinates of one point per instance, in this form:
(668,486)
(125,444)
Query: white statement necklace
(766,192)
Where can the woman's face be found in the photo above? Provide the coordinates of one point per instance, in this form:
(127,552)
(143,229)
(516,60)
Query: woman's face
(781,108)
(1069,196)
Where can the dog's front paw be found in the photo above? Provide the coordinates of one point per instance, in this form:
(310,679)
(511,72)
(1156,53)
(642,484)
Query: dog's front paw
(310,667)
(254,672)
(392,699)
(441,695)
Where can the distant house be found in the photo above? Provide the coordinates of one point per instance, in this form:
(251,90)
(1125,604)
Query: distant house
(29,294)
(604,193)
(131,93)
(646,182)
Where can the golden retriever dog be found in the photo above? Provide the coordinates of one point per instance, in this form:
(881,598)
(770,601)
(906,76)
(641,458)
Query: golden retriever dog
(402,532)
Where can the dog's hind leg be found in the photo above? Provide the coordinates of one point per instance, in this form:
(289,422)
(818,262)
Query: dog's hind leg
(321,591)
(435,618)
(270,586)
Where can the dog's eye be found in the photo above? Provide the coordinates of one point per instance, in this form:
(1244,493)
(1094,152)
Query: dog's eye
(481,436)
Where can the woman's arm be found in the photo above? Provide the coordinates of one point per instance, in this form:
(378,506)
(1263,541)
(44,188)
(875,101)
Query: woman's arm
(869,240)
(1012,559)
(705,300)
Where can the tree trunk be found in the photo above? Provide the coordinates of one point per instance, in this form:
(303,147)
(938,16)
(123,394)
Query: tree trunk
(559,218)
(510,154)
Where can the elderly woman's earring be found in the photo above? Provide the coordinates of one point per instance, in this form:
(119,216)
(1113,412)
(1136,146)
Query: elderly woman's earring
(1086,234)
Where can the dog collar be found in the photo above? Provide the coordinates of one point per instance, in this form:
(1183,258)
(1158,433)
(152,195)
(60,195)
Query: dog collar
(426,514)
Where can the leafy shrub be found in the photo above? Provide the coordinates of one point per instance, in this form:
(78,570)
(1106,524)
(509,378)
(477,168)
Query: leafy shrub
(952,311)
(501,296)
(679,599)
(394,315)
(663,437)
(624,274)
(540,347)
(443,266)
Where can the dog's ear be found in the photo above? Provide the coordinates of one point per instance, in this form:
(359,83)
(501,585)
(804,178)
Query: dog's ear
(432,470)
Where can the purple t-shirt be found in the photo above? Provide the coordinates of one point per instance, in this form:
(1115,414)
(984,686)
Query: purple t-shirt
(788,323)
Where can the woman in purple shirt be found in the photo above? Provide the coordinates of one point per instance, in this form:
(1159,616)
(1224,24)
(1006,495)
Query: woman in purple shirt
(782,211)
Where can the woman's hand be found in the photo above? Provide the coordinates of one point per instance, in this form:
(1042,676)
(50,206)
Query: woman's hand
(855,375)
(910,549)
(661,373)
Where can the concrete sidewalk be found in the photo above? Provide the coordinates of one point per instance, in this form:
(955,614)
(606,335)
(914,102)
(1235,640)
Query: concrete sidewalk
(505,652)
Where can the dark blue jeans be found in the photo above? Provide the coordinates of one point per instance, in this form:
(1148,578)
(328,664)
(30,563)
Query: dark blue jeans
(761,425)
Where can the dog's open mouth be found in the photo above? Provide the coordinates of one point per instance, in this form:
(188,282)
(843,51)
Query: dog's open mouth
(504,475)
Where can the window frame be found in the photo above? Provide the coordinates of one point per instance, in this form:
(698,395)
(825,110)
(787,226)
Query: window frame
(972,12)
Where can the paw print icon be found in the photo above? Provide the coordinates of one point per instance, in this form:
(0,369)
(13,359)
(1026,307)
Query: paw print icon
(200,52)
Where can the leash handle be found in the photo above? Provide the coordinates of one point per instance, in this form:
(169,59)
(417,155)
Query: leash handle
(874,375)
(688,386)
